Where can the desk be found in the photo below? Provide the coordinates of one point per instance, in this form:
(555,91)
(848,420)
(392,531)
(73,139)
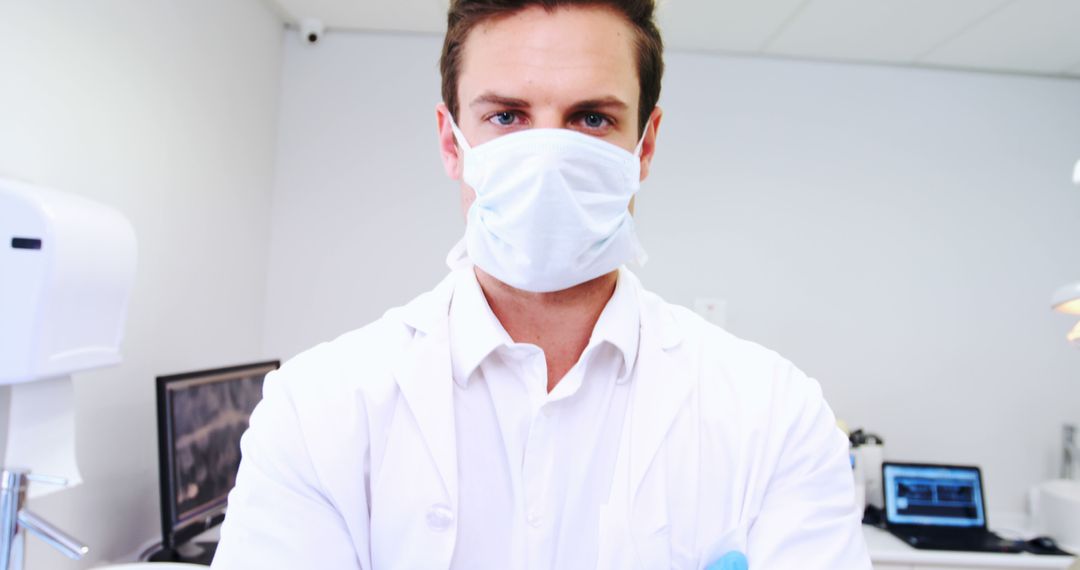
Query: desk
(890,553)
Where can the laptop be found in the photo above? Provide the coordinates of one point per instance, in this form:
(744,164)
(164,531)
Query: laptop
(939,507)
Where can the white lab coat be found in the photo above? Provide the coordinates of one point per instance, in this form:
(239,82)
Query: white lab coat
(350,460)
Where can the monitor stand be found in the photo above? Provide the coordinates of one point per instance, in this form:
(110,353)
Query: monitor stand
(191,552)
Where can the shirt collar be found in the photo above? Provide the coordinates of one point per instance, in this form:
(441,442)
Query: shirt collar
(475,331)
(620,324)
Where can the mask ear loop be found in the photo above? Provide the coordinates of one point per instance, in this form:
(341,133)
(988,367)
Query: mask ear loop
(459,254)
(640,143)
(464,144)
(640,256)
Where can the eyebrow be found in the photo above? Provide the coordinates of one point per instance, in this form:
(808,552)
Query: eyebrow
(610,102)
(489,98)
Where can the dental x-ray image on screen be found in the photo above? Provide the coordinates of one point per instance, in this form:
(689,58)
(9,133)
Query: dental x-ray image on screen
(208,419)
(932,495)
(201,417)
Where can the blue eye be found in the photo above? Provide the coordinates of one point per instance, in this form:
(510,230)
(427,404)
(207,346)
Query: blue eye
(505,118)
(594,120)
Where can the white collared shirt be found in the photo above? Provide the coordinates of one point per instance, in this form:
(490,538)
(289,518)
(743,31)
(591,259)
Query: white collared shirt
(534,467)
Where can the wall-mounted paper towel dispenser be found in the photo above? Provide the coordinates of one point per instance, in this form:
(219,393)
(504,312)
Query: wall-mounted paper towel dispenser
(67,266)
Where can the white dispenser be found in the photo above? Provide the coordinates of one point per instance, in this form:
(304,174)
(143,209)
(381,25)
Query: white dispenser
(67,266)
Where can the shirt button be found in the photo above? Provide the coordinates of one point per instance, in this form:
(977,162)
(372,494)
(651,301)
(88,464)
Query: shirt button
(440,517)
(534,520)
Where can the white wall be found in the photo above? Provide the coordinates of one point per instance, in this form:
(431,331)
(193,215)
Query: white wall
(895,232)
(363,214)
(168,112)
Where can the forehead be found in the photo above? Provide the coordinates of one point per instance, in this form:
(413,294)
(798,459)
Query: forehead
(567,53)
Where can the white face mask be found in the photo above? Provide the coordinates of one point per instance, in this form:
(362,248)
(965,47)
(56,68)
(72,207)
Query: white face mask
(551,207)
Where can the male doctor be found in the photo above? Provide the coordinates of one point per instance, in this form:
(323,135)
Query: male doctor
(539,408)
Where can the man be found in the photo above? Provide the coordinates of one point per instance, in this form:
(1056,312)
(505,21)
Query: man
(539,408)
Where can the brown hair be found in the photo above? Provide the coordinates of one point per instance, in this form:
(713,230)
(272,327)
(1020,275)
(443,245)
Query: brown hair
(464,15)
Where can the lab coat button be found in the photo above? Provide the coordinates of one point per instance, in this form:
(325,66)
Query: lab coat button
(440,517)
(534,520)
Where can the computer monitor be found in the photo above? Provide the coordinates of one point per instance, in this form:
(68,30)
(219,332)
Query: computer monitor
(933,495)
(201,416)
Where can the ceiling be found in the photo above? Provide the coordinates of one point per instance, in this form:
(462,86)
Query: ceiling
(1018,36)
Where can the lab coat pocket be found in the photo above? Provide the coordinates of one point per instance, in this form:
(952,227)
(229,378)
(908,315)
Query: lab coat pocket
(621,548)
(614,549)
(714,548)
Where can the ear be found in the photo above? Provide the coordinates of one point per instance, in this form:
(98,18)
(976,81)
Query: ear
(448,147)
(648,144)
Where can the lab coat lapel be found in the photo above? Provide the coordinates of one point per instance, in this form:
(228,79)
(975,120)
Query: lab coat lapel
(663,382)
(636,518)
(425,379)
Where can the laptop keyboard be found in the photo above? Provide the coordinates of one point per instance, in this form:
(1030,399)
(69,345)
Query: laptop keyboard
(976,543)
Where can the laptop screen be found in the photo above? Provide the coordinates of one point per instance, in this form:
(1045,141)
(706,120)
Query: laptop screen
(933,495)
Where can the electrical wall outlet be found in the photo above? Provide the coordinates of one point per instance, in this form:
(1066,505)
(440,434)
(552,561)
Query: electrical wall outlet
(713,309)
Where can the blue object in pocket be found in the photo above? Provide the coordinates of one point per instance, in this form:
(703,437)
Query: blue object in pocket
(733,560)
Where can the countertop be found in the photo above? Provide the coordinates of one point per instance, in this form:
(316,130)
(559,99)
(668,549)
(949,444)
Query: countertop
(887,549)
